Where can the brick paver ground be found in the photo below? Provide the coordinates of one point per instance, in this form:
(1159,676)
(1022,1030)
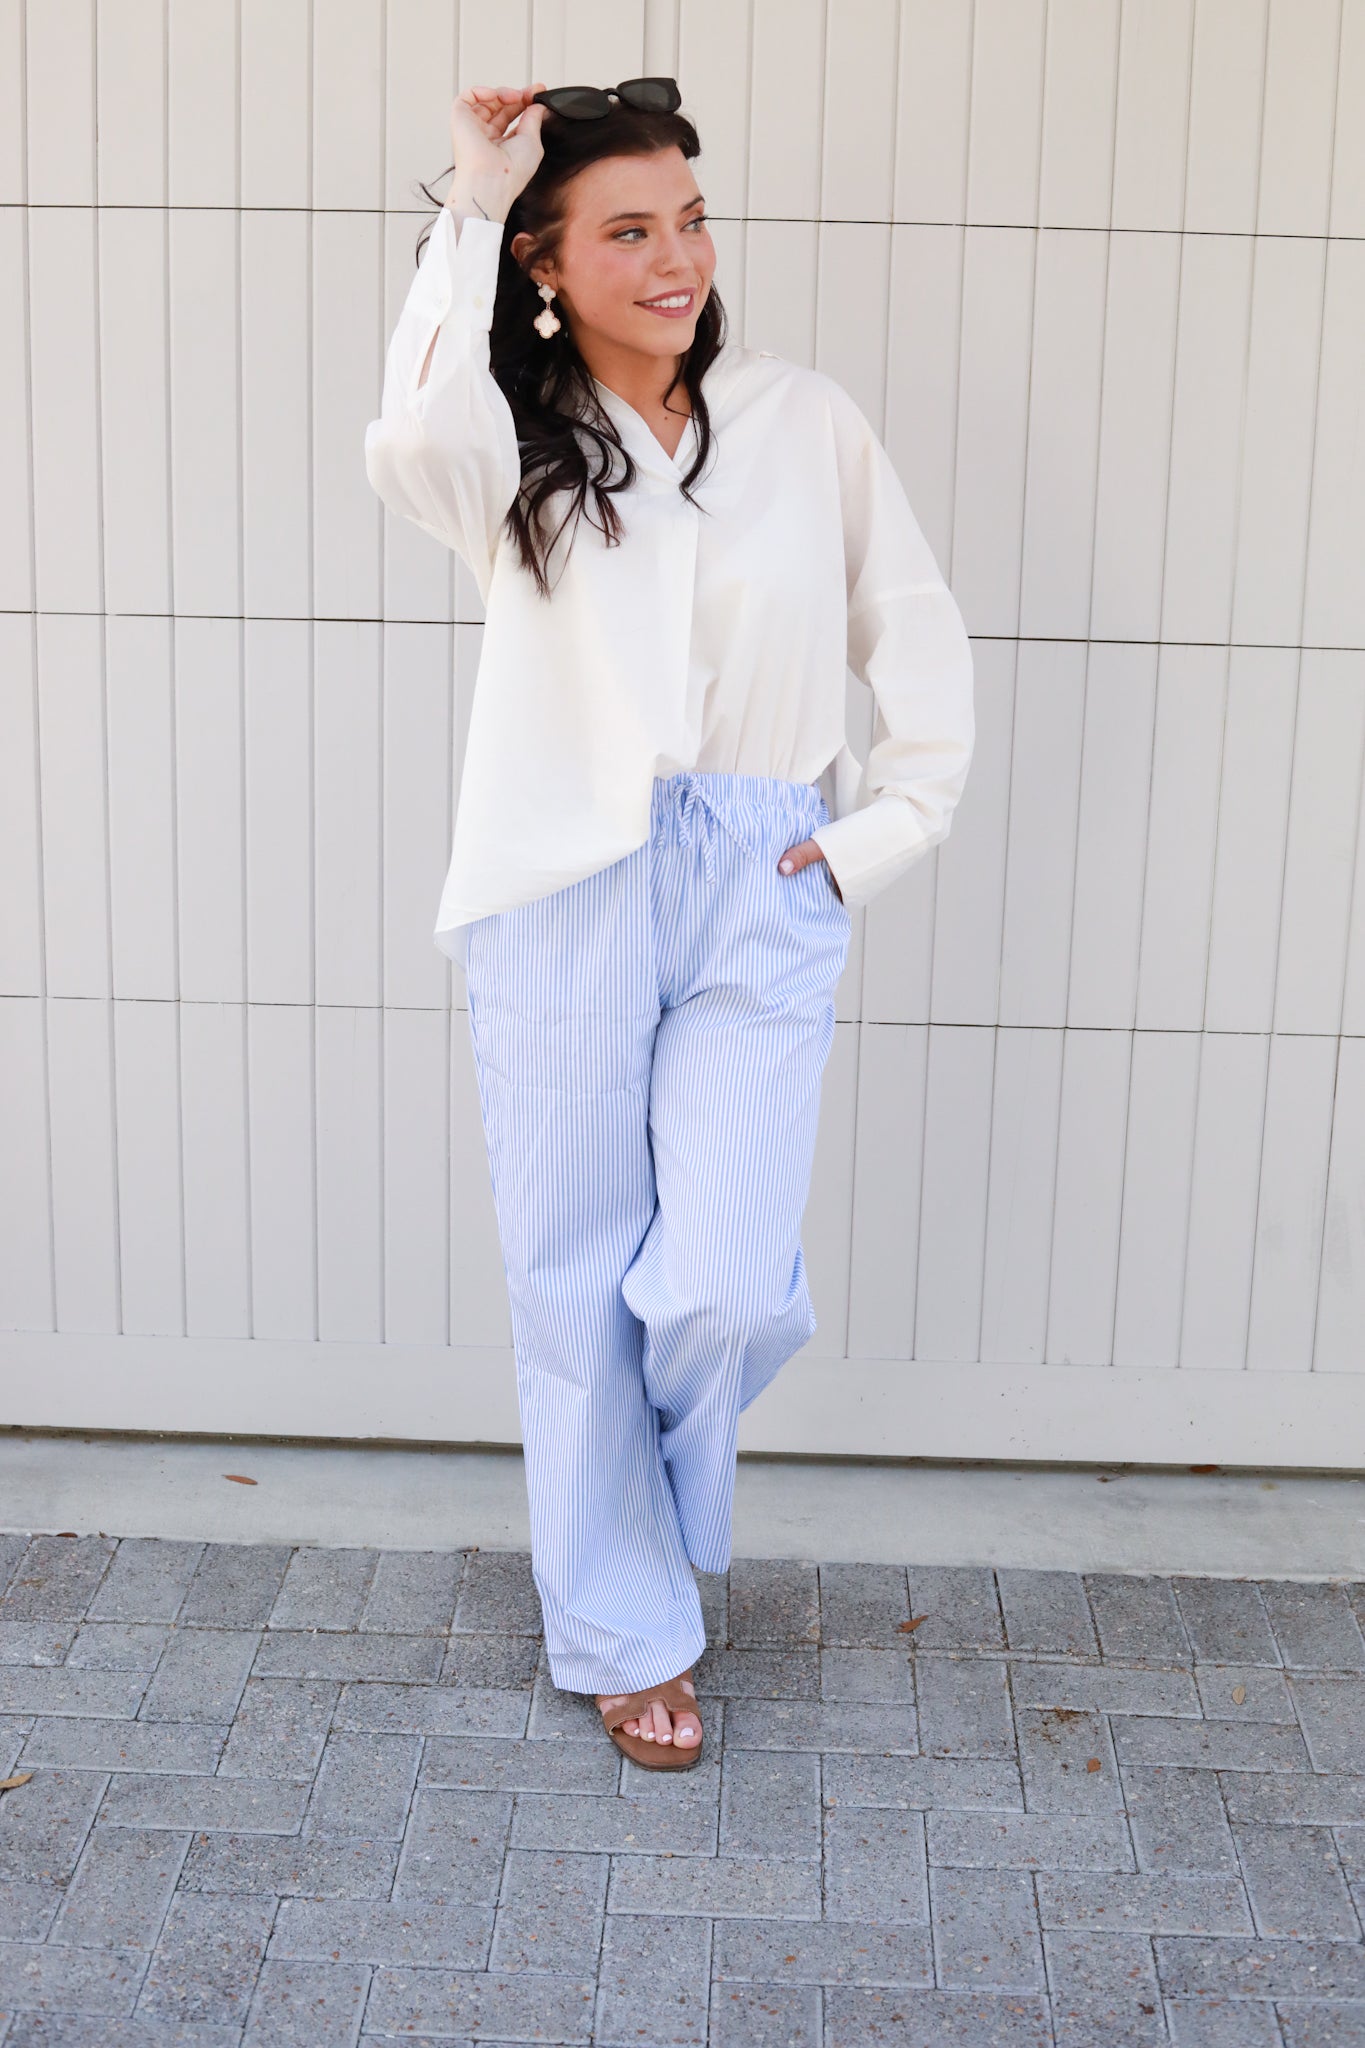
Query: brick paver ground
(282,1797)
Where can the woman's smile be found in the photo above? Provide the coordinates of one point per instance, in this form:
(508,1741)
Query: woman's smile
(672,305)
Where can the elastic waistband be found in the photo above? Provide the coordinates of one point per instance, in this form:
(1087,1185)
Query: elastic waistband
(755,811)
(736,795)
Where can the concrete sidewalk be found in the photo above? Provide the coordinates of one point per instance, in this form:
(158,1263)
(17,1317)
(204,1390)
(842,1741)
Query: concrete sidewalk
(286,1796)
(1276,1525)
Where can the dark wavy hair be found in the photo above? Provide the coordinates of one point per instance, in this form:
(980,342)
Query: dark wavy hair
(548,386)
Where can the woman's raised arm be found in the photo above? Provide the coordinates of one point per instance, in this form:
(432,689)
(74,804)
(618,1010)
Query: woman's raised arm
(443,452)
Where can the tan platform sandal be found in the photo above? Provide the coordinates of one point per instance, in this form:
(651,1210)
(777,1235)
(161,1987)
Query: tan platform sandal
(656,1756)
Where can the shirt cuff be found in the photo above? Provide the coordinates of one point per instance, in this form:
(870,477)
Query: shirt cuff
(460,278)
(870,847)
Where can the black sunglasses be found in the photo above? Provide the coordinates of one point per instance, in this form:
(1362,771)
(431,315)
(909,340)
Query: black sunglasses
(591,102)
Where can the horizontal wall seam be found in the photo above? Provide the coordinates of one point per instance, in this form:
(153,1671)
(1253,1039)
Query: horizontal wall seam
(981,639)
(187,206)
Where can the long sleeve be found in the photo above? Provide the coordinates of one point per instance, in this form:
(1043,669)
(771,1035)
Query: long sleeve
(444,454)
(907,641)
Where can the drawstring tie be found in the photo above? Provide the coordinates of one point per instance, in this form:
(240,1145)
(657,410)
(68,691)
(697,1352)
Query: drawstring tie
(692,797)
(695,809)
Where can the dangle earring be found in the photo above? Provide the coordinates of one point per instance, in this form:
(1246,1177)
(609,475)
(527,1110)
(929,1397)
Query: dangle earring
(545,322)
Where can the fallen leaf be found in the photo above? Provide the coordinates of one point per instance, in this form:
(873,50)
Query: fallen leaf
(241,1479)
(67,1532)
(1092,1763)
(904,1627)
(1239,1693)
(1203,1468)
(21,1778)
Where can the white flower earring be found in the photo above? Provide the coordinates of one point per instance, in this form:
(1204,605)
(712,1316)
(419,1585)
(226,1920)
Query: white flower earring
(545,322)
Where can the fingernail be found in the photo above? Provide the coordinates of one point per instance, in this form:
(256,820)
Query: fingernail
(785,866)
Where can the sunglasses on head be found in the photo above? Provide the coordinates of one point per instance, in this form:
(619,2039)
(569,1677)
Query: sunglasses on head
(591,102)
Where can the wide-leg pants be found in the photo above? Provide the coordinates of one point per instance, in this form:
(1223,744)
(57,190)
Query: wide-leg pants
(649,1044)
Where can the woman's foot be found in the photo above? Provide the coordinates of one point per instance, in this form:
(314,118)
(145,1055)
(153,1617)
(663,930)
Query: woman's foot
(656,1724)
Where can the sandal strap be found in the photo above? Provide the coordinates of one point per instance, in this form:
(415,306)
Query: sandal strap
(670,1691)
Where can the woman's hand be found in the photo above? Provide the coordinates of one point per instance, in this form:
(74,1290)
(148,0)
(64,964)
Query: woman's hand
(492,156)
(797,857)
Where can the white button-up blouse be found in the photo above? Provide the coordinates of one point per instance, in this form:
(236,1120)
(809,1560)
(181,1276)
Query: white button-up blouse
(715,638)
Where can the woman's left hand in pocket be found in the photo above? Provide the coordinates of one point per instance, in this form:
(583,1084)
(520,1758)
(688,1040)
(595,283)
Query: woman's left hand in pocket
(797,857)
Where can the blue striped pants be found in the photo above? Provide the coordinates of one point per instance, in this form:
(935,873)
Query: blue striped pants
(649,1043)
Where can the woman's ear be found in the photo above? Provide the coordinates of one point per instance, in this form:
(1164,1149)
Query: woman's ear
(542,273)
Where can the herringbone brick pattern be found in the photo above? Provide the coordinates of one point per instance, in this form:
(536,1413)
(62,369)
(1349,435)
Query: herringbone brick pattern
(282,1797)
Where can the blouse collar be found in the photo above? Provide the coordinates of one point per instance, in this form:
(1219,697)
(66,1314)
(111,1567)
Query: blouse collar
(639,438)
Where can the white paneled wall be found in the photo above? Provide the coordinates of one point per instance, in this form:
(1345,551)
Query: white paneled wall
(1091,1170)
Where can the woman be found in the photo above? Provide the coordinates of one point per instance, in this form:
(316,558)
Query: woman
(681,544)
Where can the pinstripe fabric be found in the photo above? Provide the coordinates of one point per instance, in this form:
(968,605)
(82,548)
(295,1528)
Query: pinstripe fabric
(649,1043)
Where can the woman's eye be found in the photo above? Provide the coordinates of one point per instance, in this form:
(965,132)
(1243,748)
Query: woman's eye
(699,220)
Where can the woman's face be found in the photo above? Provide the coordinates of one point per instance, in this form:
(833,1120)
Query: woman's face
(635,231)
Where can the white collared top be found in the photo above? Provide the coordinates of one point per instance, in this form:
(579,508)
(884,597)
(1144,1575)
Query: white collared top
(714,635)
